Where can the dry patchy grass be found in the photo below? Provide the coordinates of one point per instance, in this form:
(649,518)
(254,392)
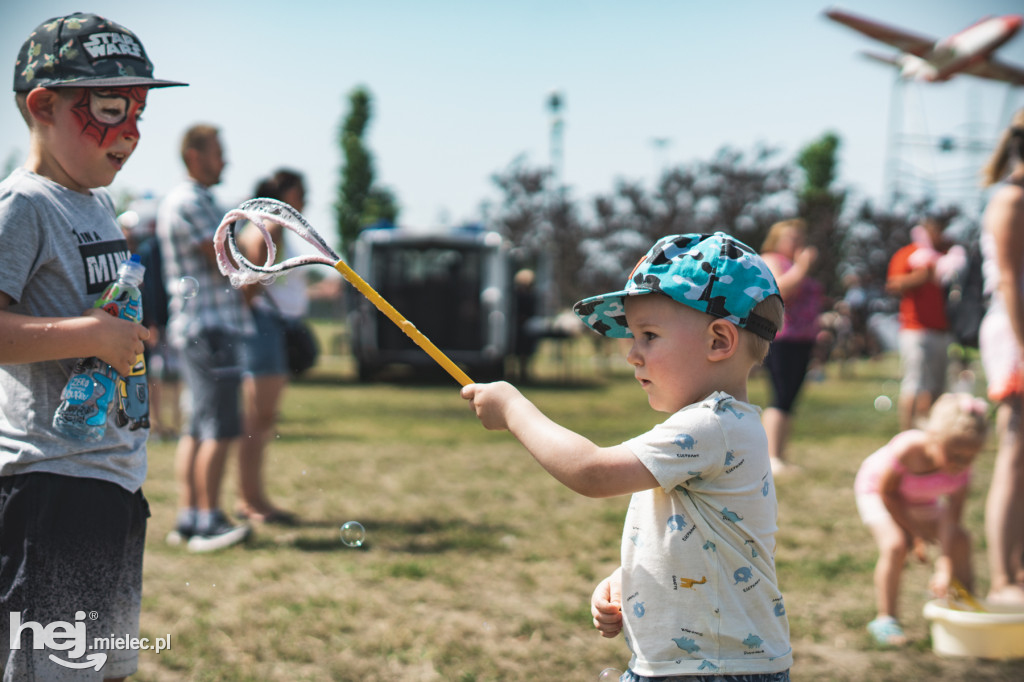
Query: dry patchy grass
(478,566)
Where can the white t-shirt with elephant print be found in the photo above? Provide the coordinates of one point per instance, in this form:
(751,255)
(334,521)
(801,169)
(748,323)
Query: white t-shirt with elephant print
(699,590)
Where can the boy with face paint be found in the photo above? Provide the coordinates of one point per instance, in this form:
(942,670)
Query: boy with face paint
(72,513)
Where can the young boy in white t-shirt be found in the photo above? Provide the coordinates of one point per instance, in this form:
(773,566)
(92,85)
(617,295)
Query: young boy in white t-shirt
(696,592)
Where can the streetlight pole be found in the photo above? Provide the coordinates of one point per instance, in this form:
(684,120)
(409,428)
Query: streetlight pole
(555,103)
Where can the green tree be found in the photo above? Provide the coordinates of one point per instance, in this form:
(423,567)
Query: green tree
(740,193)
(820,204)
(736,192)
(542,223)
(360,203)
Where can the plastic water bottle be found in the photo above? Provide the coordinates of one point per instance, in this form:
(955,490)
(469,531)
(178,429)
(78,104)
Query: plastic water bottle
(90,392)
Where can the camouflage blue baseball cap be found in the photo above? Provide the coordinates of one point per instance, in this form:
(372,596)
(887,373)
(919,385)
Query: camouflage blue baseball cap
(714,273)
(83,50)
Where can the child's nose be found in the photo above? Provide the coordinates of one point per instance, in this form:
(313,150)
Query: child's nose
(633,356)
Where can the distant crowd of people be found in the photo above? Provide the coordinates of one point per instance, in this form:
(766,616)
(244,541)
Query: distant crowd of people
(911,492)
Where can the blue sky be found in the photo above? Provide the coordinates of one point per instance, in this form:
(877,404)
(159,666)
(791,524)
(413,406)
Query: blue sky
(460,88)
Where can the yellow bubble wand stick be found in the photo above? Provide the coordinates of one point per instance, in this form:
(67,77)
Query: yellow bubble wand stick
(242,271)
(961,594)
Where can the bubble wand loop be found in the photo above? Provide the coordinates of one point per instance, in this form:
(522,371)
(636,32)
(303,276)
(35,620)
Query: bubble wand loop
(258,211)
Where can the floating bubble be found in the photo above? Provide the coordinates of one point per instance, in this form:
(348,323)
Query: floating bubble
(188,287)
(609,674)
(883,403)
(353,534)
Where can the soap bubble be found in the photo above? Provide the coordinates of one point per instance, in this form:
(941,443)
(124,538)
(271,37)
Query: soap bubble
(188,287)
(609,675)
(353,534)
(883,403)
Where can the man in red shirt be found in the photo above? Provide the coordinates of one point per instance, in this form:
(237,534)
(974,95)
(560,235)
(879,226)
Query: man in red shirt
(924,339)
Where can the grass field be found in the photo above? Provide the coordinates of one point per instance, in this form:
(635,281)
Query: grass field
(478,566)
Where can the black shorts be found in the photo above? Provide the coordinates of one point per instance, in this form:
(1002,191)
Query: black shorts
(71,552)
(787,363)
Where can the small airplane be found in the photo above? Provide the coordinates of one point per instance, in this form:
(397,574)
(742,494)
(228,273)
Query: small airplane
(968,52)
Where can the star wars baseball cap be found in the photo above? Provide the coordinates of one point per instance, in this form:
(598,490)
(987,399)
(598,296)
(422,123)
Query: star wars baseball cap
(713,273)
(83,50)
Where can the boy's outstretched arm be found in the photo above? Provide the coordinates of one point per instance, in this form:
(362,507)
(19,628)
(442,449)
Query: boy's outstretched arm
(606,605)
(575,461)
(24,338)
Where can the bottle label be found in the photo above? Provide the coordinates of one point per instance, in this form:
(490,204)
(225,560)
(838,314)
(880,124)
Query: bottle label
(95,387)
(78,389)
(122,303)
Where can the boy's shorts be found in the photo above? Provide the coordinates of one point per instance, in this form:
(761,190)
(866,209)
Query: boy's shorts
(72,553)
(630,676)
(211,366)
(923,361)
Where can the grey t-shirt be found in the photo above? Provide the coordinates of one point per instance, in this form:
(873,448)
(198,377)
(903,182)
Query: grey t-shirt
(60,250)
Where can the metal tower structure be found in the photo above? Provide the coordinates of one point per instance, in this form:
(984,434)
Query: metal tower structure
(945,166)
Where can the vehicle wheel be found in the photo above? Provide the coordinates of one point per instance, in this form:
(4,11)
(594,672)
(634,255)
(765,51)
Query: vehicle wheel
(367,371)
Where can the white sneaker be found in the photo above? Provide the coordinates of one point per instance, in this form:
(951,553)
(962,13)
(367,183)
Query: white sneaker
(180,535)
(177,537)
(221,534)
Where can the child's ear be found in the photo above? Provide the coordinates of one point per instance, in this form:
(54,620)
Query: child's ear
(725,339)
(41,104)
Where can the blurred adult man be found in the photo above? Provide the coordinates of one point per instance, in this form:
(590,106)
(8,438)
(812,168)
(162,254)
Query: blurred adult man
(207,323)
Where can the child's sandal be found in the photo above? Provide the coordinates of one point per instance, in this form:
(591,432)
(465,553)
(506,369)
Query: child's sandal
(887,631)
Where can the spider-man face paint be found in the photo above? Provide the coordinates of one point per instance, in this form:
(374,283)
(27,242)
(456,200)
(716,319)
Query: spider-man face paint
(106,115)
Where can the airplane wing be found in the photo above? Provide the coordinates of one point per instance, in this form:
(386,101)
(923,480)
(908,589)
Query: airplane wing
(885,59)
(902,40)
(997,71)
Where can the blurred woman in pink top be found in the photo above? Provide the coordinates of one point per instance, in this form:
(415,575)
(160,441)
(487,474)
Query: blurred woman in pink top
(787,255)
